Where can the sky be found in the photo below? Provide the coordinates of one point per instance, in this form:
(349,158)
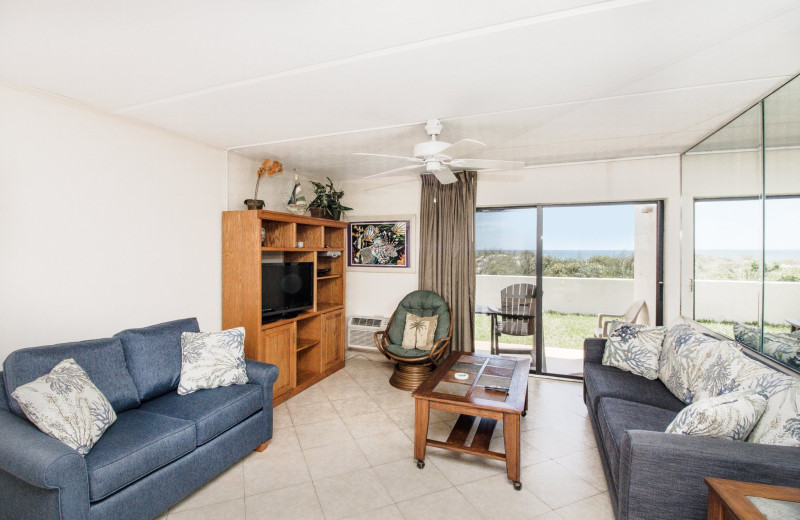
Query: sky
(737,224)
(601,227)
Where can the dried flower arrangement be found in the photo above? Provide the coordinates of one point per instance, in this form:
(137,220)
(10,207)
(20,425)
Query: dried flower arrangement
(270,168)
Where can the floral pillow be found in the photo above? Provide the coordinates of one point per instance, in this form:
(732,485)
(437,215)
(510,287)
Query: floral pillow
(65,404)
(728,369)
(783,347)
(682,356)
(780,423)
(419,332)
(211,360)
(634,348)
(728,416)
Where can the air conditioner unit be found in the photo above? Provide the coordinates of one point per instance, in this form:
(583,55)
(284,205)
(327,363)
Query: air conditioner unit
(361,330)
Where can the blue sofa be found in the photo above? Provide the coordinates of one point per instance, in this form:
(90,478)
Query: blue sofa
(162,446)
(653,475)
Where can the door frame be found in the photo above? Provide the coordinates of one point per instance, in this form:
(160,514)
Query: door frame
(538,366)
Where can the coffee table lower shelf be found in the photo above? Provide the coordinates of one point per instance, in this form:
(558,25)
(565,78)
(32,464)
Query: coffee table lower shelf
(459,435)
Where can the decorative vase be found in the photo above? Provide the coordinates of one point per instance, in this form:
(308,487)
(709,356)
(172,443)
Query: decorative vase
(254,204)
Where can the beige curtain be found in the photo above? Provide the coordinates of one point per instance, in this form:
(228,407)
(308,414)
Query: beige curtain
(447,250)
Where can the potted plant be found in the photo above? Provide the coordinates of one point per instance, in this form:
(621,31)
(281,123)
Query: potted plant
(327,203)
(270,168)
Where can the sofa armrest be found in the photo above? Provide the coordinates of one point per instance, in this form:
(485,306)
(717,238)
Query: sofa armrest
(31,458)
(661,474)
(593,350)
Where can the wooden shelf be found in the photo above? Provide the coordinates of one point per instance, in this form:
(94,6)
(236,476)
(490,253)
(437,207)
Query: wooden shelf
(304,343)
(310,346)
(304,249)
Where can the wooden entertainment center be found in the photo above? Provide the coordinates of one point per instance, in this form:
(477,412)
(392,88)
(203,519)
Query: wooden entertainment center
(306,348)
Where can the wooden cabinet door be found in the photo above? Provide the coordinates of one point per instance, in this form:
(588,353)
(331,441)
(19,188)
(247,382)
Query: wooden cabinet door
(332,339)
(279,349)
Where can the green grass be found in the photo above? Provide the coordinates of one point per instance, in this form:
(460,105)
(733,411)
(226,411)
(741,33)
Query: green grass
(726,327)
(560,330)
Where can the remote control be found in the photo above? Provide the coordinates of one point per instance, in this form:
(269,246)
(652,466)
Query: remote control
(497,388)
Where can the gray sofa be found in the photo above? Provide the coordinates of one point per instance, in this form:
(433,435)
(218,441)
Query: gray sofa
(653,475)
(162,446)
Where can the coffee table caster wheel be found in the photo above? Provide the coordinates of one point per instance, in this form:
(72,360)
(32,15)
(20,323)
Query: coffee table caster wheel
(517,485)
(524,413)
(420,464)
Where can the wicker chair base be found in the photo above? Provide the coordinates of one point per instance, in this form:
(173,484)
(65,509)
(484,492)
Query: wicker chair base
(408,377)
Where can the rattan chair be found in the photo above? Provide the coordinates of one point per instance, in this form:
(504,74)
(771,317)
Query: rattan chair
(412,366)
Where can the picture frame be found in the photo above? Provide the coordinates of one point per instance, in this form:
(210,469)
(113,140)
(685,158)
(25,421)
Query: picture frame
(381,244)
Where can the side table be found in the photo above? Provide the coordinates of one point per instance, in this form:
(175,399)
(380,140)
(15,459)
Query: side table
(735,500)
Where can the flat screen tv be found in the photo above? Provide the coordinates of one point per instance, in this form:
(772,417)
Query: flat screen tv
(286,289)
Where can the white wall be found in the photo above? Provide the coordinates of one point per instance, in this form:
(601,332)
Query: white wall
(564,294)
(625,180)
(613,181)
(242,176)
(377,294)
(105,224)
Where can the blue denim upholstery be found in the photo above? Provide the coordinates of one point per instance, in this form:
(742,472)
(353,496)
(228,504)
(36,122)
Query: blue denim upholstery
(102,359)
(616,416)
(152,495)
(145,463)
(154,355)
(35,466)
(653,475)
(3,400)
(137,444)
(605,381)
(212,411)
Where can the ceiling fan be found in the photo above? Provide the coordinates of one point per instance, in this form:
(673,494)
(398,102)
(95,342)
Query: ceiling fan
(441,158)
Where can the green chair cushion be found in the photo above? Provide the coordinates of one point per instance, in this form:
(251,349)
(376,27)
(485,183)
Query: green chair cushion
(399,351)
(420,303)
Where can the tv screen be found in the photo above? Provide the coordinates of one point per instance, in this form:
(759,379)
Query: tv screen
(286,289)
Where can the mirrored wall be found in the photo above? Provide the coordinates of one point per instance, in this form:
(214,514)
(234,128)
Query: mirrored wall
(740,231)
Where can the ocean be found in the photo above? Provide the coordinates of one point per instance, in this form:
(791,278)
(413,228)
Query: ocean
(772,255)
(576,253)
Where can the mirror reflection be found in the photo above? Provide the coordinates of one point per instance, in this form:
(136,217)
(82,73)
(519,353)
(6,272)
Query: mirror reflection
(741,228)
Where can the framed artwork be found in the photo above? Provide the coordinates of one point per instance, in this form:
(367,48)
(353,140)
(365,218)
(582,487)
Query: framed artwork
(380,243)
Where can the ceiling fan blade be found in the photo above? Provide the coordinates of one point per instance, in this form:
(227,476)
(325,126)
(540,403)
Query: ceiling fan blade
(412,159)
(387,172)
(485,164)
(463,147)
(445,175)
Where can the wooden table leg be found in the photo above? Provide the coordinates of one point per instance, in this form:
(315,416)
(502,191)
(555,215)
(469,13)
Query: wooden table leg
(511,439)
(715,510)
(422,408)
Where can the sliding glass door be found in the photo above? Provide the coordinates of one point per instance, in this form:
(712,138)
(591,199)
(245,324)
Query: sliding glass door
(595,259)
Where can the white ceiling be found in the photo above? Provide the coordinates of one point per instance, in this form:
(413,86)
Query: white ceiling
(310,82)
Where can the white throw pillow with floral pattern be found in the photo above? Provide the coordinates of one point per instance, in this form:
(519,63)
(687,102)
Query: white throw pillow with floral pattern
(780,423)
(211,360)
(728,416)
(65,404)
(685,350)
(634,348)
(728,369)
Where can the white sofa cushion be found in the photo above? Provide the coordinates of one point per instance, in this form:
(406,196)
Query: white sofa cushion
(65,404)
(211,360)
(729,416)
(634,348)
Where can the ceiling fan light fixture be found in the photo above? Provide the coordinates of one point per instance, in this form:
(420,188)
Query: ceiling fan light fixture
(433,165)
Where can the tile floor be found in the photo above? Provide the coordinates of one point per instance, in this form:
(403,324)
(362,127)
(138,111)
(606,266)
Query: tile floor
(343,449)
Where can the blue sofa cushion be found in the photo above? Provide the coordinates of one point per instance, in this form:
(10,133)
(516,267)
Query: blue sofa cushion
(137,444)
(604,381)
(3,399)
(102,359)
(212,411)
(616,416)
(154,355)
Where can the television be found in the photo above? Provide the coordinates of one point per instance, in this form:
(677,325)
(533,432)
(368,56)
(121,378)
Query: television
(286,289)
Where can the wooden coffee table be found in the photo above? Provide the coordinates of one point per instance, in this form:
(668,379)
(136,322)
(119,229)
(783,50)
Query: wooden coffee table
(447,388)
(735,500)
